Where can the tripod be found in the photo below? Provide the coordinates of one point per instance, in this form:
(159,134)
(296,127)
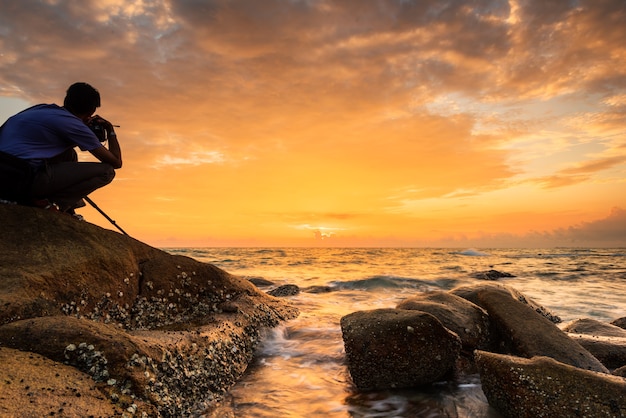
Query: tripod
(92,203)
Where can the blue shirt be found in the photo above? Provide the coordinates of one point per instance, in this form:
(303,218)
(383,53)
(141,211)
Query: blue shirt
(44,131)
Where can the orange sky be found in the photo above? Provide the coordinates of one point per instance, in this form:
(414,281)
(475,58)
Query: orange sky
(348,123)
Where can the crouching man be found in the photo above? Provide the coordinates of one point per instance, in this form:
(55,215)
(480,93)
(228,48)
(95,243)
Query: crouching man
(38,163)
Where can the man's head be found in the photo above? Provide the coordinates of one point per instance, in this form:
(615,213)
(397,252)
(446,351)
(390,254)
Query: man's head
(82,100)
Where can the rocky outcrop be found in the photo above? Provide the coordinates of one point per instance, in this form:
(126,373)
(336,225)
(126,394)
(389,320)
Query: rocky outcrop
(539,371)
(544,387)
(167,332)
(392,348)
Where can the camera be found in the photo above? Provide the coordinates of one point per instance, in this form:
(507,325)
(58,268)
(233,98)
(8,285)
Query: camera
(98,126)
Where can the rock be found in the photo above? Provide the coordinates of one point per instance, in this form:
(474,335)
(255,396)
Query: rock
(471,293)
(620,322)
(260,281)
(593,327)
(491,275)
(469,321)
(392,348)
(607,342)
(285,290)
(620,372)
(167,331)
(610,351)
(526,333)
(33,385)
(83,343)
(544,387)
(319,289)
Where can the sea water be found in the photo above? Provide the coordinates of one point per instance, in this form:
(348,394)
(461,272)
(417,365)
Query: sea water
(300,369)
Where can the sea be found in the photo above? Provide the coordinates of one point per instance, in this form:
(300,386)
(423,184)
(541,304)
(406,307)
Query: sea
(300,368)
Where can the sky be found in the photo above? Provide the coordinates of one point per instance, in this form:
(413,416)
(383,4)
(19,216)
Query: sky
(425,123)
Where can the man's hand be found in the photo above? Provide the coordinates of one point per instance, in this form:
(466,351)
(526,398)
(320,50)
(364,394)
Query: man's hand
(99,120)
(113,155)
(101,127)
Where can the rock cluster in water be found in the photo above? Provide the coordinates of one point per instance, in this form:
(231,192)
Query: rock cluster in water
(528,366)
(94,323)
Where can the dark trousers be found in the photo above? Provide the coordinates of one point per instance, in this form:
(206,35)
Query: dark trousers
(65,181)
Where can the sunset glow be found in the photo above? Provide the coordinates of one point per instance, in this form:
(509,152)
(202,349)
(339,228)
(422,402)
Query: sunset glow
(348,123)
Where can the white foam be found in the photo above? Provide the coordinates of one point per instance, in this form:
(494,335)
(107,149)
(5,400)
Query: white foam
(473,253)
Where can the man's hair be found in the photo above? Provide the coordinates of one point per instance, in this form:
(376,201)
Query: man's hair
(81,98)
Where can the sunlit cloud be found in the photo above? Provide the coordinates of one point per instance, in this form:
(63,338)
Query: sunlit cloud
(194,158)
(597,165)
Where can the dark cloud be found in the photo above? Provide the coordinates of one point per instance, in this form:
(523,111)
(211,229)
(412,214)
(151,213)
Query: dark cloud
(610,231)
(232,44)
(568,45)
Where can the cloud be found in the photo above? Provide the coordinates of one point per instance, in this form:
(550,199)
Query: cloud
(608,231)
(581,172)
(193,158)
(596,165)
(320,104)
(554,181)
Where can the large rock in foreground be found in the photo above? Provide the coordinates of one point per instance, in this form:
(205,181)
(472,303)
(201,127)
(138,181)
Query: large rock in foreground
(68,392)
(393,348)
(170,332)
(543,387)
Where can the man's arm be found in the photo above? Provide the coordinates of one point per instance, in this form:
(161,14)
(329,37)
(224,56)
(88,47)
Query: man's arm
(113,155)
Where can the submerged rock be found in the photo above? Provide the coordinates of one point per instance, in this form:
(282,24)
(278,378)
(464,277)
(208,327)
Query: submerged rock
(260,281)
(393,348)
(491,275)
(319,289)
(544,387)
(285,290)
(169,331)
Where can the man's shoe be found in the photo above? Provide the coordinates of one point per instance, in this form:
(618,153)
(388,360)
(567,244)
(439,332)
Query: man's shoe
(46,205)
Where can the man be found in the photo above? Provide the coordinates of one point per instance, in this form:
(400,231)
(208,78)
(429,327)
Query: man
(44,136)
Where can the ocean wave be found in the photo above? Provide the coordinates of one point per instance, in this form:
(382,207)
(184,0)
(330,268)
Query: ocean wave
(472,253)
(377,282)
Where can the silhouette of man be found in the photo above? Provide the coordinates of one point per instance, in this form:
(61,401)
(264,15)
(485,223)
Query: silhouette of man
(45,136)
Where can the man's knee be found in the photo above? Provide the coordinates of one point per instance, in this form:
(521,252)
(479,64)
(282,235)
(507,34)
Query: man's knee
(108,174)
